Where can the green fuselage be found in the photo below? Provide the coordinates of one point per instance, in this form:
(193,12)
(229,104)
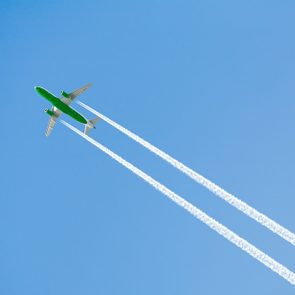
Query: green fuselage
(63,107)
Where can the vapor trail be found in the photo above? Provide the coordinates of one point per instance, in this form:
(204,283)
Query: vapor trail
(212,223)
(211,186)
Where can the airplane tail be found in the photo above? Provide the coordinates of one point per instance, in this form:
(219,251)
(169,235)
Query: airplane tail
(90,124)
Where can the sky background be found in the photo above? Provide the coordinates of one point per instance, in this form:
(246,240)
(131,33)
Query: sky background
(209,82)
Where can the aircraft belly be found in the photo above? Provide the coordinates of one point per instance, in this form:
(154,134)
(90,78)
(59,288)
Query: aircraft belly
(75,115)
(62,105)
(70,112)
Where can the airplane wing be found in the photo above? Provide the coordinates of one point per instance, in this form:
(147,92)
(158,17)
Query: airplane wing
(52,120)
(51,124)
(70,97)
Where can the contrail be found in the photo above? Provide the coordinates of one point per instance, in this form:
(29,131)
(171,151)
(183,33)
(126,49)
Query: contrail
(211,186)
(197,213)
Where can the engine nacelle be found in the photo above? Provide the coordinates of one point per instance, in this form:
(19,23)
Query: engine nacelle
(64,94)
(49,112)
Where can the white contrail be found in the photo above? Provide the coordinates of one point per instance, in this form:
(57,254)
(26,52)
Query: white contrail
(217,190)
(212,223)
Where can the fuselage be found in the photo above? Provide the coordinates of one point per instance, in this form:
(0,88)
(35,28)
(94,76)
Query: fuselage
(63,107)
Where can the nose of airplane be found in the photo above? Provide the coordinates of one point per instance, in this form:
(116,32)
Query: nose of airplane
(37,88)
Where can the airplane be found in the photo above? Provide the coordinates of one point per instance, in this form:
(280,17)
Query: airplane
(62,105)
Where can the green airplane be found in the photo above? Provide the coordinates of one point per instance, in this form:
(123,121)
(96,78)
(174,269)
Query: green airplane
(62,105)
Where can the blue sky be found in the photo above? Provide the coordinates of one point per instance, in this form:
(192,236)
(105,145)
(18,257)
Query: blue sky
(210,82)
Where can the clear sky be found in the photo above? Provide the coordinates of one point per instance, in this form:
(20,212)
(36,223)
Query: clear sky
(210,82)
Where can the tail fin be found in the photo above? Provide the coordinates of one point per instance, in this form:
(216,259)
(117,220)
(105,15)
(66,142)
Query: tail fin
(90,124)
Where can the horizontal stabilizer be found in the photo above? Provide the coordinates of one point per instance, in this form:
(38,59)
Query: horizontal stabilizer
(90,125)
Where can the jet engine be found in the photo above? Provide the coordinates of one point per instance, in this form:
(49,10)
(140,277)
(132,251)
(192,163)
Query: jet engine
(49,112)
(64,94)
